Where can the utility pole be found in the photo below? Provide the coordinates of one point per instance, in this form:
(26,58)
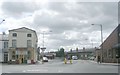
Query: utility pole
(101,40)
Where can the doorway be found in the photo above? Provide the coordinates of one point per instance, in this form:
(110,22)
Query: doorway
(5,57)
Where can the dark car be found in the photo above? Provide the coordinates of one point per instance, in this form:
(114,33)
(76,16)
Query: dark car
(68,58)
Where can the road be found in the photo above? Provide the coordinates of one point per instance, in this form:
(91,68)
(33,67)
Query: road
(58,66)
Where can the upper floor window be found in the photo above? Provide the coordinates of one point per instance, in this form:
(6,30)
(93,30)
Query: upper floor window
(29,43)
(29,35)
(5,44)
(14,34)
(14,43)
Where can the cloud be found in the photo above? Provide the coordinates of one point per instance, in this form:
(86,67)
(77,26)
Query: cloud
(17,9)
(70,22)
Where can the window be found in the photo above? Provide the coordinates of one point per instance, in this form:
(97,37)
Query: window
(13,57)
(81,55)
(14,42)
(29,55)
(86,55)
(13,54)
(29,43)
(29,35)
(5,44)
(16,56)
(14,34)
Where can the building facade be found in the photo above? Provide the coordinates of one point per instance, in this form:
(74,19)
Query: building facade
(23,45)
(111,47)
(4,48)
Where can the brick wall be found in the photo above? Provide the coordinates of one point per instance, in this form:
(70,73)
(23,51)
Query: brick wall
(108,52)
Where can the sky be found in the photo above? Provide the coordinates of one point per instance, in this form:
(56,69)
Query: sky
(65,23)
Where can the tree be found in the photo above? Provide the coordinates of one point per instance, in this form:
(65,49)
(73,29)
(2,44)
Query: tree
(77,52)
(61,52)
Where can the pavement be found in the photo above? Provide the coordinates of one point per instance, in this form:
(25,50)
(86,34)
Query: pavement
(113,64)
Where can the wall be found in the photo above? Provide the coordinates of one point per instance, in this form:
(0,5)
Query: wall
(22,38)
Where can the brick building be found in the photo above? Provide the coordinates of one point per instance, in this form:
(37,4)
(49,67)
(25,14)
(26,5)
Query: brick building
(111,46)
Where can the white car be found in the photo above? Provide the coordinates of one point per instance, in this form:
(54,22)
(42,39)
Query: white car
(74,57)
(45,59)
(92,58)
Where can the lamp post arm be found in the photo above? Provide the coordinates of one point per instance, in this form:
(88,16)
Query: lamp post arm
(101,34)
(2,21)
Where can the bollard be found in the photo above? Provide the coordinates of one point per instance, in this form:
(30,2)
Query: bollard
(42,62)
(65,61)
(71,61)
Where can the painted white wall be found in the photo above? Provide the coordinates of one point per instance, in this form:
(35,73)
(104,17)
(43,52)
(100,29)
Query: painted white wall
(2,37)
(22,37)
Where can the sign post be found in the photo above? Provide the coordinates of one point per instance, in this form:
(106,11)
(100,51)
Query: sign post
(42,53)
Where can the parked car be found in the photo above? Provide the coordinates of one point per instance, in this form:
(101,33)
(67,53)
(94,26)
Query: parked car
(74,57)
(45,59)
(92,58)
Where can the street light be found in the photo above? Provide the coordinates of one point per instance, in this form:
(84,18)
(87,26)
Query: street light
(101,40)
(92,43)
(2,21)
(43,48)
(44,37)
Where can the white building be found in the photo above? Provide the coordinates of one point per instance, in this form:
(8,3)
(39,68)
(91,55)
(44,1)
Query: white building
(4,48)
(23,45)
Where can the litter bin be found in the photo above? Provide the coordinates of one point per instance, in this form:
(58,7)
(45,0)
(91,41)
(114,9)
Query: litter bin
(32,62)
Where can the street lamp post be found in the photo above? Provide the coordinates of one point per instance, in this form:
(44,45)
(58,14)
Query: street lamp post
(43,48)
(92,43)
(44,37)
(101,40)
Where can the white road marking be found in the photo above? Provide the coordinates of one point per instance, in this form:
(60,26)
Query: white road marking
(60,71)
(34,70)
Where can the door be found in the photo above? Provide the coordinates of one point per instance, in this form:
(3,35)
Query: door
(5,57)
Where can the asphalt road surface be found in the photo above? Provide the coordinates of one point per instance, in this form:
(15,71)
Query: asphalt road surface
(58,66)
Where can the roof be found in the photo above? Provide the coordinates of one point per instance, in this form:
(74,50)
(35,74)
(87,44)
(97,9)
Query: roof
(116,29)
(22,28)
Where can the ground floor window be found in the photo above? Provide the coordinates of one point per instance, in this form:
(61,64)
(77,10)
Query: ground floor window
(16,56)
(13,57)
(5,57)
(29,54)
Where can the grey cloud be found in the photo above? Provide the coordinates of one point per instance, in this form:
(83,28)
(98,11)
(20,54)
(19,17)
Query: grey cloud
(57,23)
(57,6)
(15,9)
